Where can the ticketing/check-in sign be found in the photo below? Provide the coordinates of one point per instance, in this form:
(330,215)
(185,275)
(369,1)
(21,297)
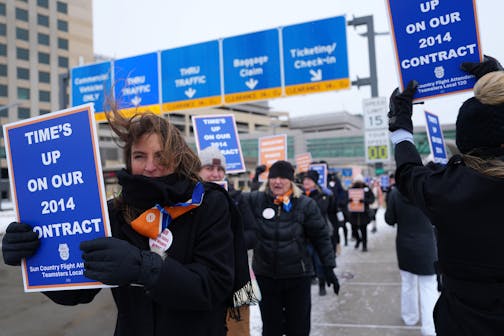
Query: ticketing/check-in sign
(137,83)
(436,139)
(252,67)
(315,56)
(432,39)
(91,84)
(190,77)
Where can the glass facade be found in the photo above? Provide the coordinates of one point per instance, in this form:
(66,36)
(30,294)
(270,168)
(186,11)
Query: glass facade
(250,147)
(338,147)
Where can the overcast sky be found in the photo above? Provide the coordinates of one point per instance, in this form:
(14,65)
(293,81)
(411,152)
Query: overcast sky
(125,28)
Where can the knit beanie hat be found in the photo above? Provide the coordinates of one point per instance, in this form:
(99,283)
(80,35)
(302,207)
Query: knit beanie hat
(281,169)
(480,122)
(479,125)
(312,175)
(212,156)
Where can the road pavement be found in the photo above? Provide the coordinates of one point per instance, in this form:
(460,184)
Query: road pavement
(368,303)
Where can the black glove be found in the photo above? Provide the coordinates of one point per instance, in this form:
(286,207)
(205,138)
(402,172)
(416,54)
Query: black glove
(401,108)
(478,69)
(331,279)
(19,242)
(114,261)
(260,169)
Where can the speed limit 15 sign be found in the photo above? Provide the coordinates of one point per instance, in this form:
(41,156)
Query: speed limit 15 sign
(375,113)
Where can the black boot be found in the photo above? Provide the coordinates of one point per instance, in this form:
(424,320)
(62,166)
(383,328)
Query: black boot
(322,289)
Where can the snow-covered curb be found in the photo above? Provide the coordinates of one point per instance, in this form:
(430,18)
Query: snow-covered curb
(7,215)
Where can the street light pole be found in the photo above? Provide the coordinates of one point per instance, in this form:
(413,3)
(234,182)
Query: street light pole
(3,108)
(8,106)
(372,80)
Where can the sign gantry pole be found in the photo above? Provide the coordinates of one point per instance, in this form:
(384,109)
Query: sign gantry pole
(372,80)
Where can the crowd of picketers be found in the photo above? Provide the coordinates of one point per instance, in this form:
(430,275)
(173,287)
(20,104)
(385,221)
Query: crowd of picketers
(188,285)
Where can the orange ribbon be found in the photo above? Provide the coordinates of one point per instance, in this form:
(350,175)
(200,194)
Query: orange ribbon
(152,222)
(284,200)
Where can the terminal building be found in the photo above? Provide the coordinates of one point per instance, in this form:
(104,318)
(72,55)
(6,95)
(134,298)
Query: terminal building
(336,138)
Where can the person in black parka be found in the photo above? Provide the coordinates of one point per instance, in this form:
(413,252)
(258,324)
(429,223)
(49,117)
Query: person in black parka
(286,220)
(360,219)
(416,255)
(463,200)
(328,211)
(213,169)
(340,199)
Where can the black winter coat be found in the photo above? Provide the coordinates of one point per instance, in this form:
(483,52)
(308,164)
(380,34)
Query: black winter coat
(328,208)
(466,208)
(281,250)
(190,295)
(249,229)
(361,218)
(415,240)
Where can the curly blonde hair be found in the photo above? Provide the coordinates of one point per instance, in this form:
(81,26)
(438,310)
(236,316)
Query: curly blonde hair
(489,89)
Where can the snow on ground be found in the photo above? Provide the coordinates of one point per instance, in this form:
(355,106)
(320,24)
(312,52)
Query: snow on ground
(7,215)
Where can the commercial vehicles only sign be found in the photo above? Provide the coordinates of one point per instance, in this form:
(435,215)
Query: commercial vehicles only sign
(91,83)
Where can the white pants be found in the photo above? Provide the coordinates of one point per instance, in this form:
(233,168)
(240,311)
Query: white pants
(413,288)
